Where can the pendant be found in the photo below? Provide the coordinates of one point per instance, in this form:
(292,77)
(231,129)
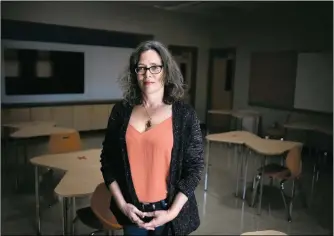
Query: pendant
(148,124)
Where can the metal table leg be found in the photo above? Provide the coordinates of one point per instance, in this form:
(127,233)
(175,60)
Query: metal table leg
(245,175)
(20,145)
(238,169)
(239,124)
(242,167)
(16,164)
(73,225)
(256,122)
(25,156)
(37,198)
(64,213)
(261,185)
(315,174)
(207,165)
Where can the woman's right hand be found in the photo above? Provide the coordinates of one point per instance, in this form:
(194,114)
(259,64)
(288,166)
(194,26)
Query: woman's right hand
(133,214)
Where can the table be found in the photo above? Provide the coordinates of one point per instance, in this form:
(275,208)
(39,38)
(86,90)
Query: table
(265,147)
(239,115)
(34,130)
(9,128)
(235,113)
(76,183)
(271,146)
(264,232)
(81,178)
(221,112)
(309,126)
(236,138)
(39,131)
(28,124)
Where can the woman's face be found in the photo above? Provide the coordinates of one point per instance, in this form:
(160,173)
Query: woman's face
(150,74)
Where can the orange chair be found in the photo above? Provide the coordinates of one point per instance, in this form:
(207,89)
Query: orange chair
(64,142)
(98,215)
(291,171)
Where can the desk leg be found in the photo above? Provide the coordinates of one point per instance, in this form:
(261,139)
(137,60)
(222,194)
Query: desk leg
(16,164)
(4,158)
(256,125)
(64,212)
(241,153)
(315,173)
(74,212)
(37,199)
(236,156)
(239,124)
(261,185)
(245,175)
(207,165)
(25,161)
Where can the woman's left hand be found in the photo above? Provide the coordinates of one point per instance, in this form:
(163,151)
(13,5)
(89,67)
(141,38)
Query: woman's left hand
(159,218)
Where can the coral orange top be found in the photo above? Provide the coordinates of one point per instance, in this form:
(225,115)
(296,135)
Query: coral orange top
(149,157)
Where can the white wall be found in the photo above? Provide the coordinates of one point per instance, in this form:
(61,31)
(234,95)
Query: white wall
(103,65)
(314,82)
(169,28)
(284,29)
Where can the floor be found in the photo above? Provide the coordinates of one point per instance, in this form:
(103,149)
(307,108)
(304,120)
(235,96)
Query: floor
(221,212)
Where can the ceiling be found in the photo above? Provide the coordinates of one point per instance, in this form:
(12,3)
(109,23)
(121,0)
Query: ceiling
(212,8)
(221,8)
(200,6)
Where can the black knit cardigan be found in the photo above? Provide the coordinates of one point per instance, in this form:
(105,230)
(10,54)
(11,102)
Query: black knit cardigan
(187,163)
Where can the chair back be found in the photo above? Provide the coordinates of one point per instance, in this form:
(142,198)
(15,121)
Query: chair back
(293,161)
(64,142)
(100,204)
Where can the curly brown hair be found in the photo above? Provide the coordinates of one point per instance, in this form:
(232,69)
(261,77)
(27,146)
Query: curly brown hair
(174,87)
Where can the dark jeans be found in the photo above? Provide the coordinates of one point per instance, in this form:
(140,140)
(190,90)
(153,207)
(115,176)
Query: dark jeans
(134,230)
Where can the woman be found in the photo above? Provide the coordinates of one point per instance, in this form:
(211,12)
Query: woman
(152,156)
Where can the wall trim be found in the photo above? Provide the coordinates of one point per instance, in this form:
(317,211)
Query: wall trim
(42,32)
(53,104)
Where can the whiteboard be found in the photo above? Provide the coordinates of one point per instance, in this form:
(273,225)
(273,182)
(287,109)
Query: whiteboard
(103,66)
(314,82)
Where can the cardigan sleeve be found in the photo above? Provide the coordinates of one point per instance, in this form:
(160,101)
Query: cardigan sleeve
(193,160)
(108,146)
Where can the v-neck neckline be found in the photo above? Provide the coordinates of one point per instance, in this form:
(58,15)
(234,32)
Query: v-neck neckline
(152,127)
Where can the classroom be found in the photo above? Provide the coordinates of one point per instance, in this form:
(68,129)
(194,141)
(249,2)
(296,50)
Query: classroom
(259,76)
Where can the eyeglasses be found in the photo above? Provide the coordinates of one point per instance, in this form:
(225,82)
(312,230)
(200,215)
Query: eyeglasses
(153,69)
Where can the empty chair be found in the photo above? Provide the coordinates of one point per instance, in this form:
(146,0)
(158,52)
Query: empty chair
(99,216)
(64,142)
(291,171)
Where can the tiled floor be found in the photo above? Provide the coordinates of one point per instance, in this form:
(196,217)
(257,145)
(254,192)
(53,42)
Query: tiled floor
(221,212)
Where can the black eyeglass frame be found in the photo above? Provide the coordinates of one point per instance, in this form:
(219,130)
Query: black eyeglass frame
(148,68)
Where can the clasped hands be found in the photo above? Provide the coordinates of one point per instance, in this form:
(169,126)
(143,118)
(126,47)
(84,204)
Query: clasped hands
(160,217)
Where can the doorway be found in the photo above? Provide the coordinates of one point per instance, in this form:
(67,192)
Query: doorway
(220,87)
(186,59)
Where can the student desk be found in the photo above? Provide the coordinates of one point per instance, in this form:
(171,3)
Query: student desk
(81,178)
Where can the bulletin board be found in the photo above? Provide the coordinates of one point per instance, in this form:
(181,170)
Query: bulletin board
(272,79)
(292,80)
